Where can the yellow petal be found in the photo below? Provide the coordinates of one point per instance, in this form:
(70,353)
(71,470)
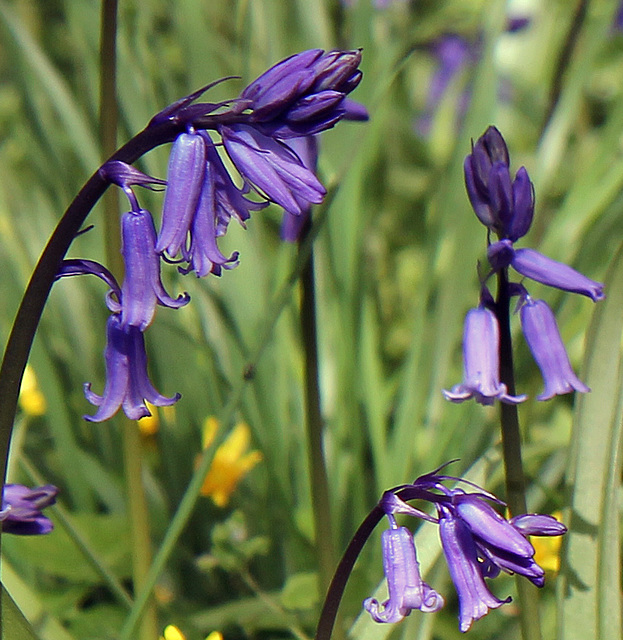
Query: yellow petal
(215,635)
(31,400)
(173,633)
(149,425)
(230,464)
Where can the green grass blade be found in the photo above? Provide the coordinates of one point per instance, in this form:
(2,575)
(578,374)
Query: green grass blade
(590,584)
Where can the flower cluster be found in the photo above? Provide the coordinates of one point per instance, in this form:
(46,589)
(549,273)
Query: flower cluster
(22,509)
(505,206)
(477,542)
(269,136)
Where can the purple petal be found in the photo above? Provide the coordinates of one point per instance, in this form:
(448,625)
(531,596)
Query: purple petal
(535,265)
(117,373)
(142,287)
(478,196)
(271,168)
(406,589)
(490,527)
(538,524)
(481,380)
(460,550)
(543,338)
(523,206)
(185,179)
(203,254)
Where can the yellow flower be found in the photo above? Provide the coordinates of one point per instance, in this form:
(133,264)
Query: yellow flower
(31,400)
(230,463)
(547,549)
(173,633)
(149,425)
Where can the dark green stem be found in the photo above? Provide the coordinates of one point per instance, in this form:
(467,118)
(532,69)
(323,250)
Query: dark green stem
(325,548)
(511,451)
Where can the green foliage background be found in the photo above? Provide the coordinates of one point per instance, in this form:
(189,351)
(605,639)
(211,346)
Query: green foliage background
(396,272)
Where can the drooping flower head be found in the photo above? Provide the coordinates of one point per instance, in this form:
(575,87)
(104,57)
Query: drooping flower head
(481,361)
(478,544)
(127,383)
(304,94)
(22,509)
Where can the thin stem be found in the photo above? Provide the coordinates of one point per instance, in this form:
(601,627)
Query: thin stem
(321,504)
(139,519)
(511,450)
(272,603)
(342,573)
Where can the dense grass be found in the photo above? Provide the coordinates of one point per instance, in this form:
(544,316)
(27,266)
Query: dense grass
(396,272)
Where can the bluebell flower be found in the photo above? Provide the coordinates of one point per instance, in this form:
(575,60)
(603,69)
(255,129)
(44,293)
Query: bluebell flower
(304,94)
(454,54)
(407,590)
(306,148)
(506,207)
(142,287)
(22,509)
(477,541)
(541,332)
(200,200)
(481,361)
(272,168)
(475,599)
(127,383)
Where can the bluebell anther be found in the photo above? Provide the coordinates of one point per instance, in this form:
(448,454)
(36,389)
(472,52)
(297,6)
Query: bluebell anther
(481,361)
(127,383)
(22,509)
(142,287)
(407,590)
(541,332)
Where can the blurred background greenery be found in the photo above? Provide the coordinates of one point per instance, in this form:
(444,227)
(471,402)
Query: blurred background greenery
(396,272)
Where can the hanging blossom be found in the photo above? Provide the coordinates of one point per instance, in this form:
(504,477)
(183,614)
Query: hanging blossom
(22,508)
(478,544)
(268,134)
(505,206)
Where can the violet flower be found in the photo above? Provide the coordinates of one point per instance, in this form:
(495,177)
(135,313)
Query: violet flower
(478,543)
(272,168)
(304,94)
(481,361)
(475,599)
(541,332)
(306,149)
(22,509)
(142,287)
(199,202)
(127,381)
(407,590)
(506,207)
